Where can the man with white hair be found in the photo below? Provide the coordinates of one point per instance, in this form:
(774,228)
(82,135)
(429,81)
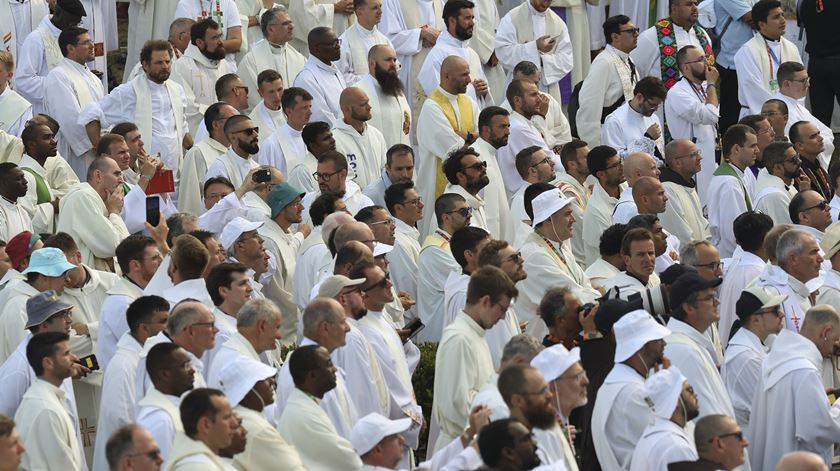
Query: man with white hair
(790,410)
(666,441)
(379,441)
(621,413)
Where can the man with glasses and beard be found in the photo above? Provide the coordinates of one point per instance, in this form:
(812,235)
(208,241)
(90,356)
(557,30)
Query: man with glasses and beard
(202,65)
(467,175)
(321,77)
(151,94)
(779,181)
(508,444)
(493,132)
(634,126)
(331,175)
(606,165)
(692,108)
(666,441)
(237,163)
(389,108)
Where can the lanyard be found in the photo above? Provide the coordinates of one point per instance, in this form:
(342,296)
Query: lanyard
(771,58)
(442,234)
(553,248)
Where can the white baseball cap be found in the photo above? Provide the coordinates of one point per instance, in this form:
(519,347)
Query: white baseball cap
(372,428)
(380,248)
(547,203)
(633,331)
(240,375)
(663,389)
(553,361)
(236,228)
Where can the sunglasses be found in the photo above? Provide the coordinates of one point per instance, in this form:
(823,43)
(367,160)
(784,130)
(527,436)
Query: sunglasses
(739,435)
(464,212)
(248,131)
(383,283)
(478,166)
(822,206)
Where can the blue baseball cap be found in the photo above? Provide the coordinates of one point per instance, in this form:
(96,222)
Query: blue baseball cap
(48,261)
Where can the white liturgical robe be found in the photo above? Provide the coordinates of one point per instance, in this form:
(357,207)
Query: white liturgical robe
(596,218)
(362,373)
(554,126)
(741,370)
(158,413)
(690,117)
(797,111)
(267,120)
(404,259)
(223,12)
(581,193)
(726,201)
(448,45)
(45,423)
(625,128)
(198,75)
(683,216)
(790,410)
(483,42)
(435,264)
(496,206)
(38,54)
(356,42)
(147,19)
(757,63)
(462,367)
(325,83)
(285,59)
(390,114)
(662,443)
(744,268)
(611,77)
(232,166)
(516,41)
(365,151)
(18,20)
(523,133)
(772,196)
(308,14)
(193,169)
(68,88)
(15,111)
(283,150)
(265,448)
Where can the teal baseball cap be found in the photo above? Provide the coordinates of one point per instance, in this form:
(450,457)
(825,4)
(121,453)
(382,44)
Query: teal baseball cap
(48,261)
(280,197)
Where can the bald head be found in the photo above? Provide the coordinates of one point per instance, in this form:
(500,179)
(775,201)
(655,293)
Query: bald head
(801,461)
(712,426)
(332,221)
(352,231)
(819,316)
(380,51)
(676,148)
(637,165)
(354,105)
(646,186)
(453,64)
(454,75)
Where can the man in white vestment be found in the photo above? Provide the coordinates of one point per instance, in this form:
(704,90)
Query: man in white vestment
(332,174)
(460,22)
(19,19)
(211,430)
(138,258)
(40,51)
(390,112)
(489,294)
(634,126)
(14,218)
(550,120)
(201,66)
(68,88)
(525,102)
(403,201)
(548,260)
(399,168)
(537,34)
(150,20)
(692,109)
(610,81)
(790,411)
(829,292)
(229,286)
(239,162)
(96,225)
(683,216)
(46,421)
(606,165)
(757,61)
(611,262)
(467,176)
(809,212)
(694,300)
(153,101)
(666,440)
(146,318)
(303,423)
(284,149)
(273,52)
(759,316)
(226,14)
(493,132)
(637,166)
(640,11)
(199,159)
(533,167)
(363,145)
(16,111)
(40,201)
(317,139)
(447,122)
(321,77)
(308,15)
(621,412)
(465,245)
(639,260)
(793,87)
(268,113)
(359,38)
(573,184)
(728,194)
(750,229)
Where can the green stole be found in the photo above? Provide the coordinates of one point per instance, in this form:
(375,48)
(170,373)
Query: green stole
(725,168)
(42,190)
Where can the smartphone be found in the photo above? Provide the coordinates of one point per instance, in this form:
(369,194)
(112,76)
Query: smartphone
(89,362)
(414,327)
(153,210)
(262,176)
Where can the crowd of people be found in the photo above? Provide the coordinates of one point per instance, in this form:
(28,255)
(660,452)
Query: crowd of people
(617,222)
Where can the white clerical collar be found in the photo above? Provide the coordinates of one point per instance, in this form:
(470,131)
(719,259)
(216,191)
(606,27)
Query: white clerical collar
(80,67)
(448,38)
(323,66)
(276,48)
(293,133)
(448,95)
(153,84)
(272,113)
(533,10)
(364,31)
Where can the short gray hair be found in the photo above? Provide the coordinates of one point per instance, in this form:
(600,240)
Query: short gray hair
(523,346)
(182,315)
(318,310)
(269,16)
(791,242)
(119,444)
(256,310)
(688,252)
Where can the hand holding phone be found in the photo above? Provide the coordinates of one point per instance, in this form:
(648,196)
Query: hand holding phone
(262,176)
(153,210)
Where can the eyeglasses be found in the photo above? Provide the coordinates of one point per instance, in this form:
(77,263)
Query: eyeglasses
(804,81)
(464,212)
(517,257)
(248,131)
(739,435)
(415,201)
(322,176)
(543,161)
(383,283)
(389,221)
(241,87)
(711,265)
(152,455)
(203,324)
(711,297)
(631,31)
(696,154)
(65,315)
(478,166)
(620,163)
(702,59)
(822,206)
(768,130)
(776,311)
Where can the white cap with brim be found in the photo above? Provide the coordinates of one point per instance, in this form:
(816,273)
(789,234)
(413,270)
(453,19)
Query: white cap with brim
(239,376)
(633,331)
(48,261)
(380,248)
(553,361)
(234,229)
(547,203)
(334,284)
(663,389)
(372,428)
(830,241)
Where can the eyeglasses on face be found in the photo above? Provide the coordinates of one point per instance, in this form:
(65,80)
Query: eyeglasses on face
(248,131)
(711,265)
(633,31)
(324,176)
(543,161)
(383,283)
(415,201)
(389,221)
(478,166)
(464,212)
(516,258)
(822,206)
(739,435)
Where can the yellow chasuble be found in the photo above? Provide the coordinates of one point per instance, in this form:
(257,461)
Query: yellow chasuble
(465,111)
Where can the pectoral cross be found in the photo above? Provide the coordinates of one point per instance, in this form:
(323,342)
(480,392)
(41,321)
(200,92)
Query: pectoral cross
(86,431)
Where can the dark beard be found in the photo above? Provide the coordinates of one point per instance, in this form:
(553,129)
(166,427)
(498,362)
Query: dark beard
(390,83)
(792,174)
(462,33)
(359,314)
(539,418)
(478,184)
(250,148)
(216,55)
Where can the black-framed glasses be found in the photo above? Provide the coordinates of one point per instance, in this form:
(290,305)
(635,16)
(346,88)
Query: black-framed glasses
(241,87)
(464,212)
(702,59)
(203,324)
(415,201)
(776,311)
(383,283)
(323,176)
(739,435)
(620,163)
(248,131)
(543,161)
(629,30)
(516,258)
(478,166)
(152,455)
(822,206)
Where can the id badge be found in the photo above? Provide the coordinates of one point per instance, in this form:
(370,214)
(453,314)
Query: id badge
(99,49)
(774,85)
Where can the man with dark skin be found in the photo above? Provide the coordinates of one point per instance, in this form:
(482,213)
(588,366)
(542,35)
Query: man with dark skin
(13,185)
(40,144)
